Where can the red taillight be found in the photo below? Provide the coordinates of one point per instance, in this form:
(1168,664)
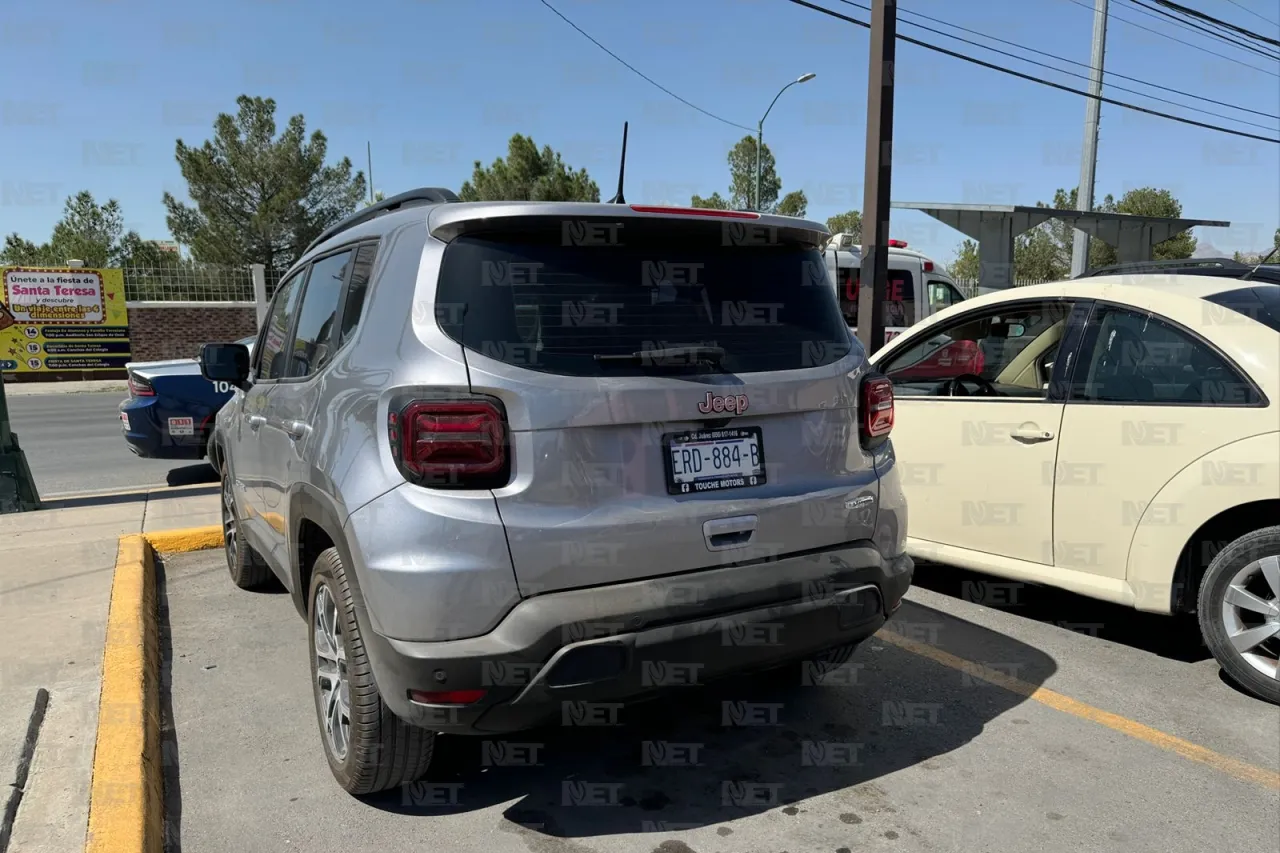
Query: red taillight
(696,211)
(877,407)
(452,443)
(446,697)
(140,387)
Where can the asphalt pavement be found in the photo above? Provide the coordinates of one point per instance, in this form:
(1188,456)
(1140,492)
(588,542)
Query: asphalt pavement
(1105,740)
(73,444)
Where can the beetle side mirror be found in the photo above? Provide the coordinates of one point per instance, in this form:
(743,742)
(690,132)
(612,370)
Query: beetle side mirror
(225,363)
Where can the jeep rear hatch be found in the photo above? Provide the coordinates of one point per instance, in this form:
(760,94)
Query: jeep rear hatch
(679,395)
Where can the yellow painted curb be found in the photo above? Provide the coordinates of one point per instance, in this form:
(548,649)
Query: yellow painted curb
(126,798)
(186,539)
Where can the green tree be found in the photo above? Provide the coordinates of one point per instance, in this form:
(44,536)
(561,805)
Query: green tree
(711,202)
(849,222)
(88,231)
(794,203)
(259,198)
(377,197)
(966,266)
(742,184)
(528,174)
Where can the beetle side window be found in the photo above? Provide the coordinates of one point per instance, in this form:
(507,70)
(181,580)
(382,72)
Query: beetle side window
(1133,357)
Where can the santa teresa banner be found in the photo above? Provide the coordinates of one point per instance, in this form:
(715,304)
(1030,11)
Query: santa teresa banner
(62,319)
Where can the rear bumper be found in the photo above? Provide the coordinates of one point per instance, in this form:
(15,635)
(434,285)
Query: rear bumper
(147,437)
(572,656)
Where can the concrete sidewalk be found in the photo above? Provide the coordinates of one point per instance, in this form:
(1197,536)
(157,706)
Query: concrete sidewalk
(56,569)
(33,389)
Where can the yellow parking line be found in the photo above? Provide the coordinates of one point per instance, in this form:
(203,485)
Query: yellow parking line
(1240,770)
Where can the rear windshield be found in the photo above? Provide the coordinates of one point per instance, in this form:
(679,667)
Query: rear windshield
(1261,303)
(534,302)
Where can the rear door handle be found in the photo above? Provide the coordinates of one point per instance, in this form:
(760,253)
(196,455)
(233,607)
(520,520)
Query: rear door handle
(254,421)
(1031,434)
(296,429)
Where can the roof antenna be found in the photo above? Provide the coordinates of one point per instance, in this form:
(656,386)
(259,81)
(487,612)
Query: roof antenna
(622,169)
(1269,256)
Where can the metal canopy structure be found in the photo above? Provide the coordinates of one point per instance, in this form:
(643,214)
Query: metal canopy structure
(995,225)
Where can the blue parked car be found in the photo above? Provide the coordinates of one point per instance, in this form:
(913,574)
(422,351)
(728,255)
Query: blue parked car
(170,409)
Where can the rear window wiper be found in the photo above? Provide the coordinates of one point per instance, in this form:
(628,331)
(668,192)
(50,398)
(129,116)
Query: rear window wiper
(666,357)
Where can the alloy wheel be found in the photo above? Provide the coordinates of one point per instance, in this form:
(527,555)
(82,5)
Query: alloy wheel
(1251,614)
(229,539)
(332,684)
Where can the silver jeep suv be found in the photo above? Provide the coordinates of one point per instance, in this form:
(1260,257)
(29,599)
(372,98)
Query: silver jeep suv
(517,462)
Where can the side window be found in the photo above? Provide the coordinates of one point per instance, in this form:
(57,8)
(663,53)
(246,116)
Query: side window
(942,295)
(1005,351)
(1132,357)
(270,365)
(899,304)
(314,340)
(356,290)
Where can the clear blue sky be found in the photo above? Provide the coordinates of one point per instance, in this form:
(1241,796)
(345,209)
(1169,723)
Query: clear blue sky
(96,91)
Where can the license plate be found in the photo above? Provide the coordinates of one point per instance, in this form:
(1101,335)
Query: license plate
(124,419)
(713,460)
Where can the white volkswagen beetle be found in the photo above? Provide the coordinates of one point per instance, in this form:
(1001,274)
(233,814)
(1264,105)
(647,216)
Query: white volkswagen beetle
(1116,436)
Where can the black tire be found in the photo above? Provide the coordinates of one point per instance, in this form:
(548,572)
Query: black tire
(382,751)
(248,569)
(1213,590)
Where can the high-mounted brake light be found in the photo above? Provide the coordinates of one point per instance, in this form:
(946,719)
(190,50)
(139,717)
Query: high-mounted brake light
(877,410)
(696,211)
(450,443)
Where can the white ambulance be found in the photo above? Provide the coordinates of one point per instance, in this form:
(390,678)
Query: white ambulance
(917,287)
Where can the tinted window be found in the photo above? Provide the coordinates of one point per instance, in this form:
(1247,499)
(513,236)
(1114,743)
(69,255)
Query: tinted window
(1011,348)
(898,306)
(313,342)
(356,289)
(585,310)
(1133,357)
(278,326)
(1261,303)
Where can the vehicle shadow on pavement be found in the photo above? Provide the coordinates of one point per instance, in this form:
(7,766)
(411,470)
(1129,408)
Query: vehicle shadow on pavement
(1176,638)
(742,746)
(190,475)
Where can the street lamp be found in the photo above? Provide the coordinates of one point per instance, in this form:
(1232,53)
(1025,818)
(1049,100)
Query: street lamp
(803,78)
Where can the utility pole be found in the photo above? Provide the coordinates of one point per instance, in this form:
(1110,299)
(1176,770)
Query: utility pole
(368,151)
(879,172)
(1089,155)
(803,78)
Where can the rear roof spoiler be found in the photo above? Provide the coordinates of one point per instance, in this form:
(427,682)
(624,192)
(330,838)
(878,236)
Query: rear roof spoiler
(412,198)
(448,222)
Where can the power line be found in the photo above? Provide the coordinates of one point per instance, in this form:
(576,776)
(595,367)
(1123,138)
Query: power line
(1200,48)
(1085,65)
(992,66)
(1251,12)
(1187,11)
(641,74)
(1197,28)
(1078,74)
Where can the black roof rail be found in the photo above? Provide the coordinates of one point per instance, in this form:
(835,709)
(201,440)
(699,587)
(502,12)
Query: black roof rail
(1168,265)
(412,198)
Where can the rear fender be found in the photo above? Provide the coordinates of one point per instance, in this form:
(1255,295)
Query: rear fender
(310,504)
(1238,473)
